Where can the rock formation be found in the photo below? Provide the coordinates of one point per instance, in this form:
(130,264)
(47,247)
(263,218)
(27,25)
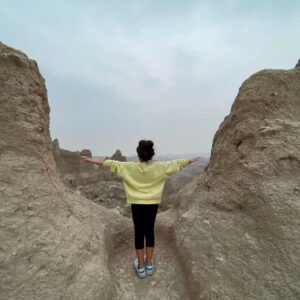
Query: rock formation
(234,231)
(239,225)
(54,243)
(75,172)
(110,194)
(95,183)
(118,156)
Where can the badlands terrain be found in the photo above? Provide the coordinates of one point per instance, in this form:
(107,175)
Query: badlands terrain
(232,232)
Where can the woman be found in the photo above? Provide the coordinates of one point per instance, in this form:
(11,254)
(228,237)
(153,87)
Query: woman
(143,182)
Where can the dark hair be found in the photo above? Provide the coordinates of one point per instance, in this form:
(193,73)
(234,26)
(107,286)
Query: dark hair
(145,150)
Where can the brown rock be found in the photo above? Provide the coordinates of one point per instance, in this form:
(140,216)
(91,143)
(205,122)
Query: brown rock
(239,229)
(76,172)
(54,243)
(118,156)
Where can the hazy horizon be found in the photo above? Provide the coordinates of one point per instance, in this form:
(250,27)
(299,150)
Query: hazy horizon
(169,71)
(169,155)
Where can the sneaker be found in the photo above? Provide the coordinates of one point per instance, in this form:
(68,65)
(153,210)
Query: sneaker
(140,272)
(149,268)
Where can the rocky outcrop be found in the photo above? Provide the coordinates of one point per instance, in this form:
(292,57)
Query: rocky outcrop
(54,243)
(239,222)
(110,194)
(95,183)
(74,171)
(118,156)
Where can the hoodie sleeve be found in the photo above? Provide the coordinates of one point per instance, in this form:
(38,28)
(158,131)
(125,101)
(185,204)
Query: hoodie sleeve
(114,165)
(173,166)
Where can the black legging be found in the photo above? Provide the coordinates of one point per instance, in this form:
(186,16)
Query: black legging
(143,216)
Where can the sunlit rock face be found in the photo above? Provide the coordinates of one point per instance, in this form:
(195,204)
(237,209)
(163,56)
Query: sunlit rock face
(54,243)
(239,222)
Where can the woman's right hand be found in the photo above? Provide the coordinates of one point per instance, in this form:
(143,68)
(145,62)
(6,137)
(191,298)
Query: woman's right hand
(86,158)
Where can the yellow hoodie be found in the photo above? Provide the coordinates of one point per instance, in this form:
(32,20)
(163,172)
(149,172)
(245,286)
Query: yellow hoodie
(144,181)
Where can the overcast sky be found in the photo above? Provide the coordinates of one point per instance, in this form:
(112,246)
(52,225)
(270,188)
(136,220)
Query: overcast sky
(121,71)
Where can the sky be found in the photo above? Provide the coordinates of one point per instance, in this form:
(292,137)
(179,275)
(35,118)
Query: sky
(168,70)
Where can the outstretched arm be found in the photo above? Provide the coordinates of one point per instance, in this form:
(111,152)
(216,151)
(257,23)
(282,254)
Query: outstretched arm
(114,165)
(176,165)
(93,161)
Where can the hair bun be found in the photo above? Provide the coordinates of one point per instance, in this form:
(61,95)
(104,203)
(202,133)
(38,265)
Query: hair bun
(145,150)
(146,144)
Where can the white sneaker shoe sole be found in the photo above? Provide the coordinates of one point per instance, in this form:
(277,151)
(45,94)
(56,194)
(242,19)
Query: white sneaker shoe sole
(141,273)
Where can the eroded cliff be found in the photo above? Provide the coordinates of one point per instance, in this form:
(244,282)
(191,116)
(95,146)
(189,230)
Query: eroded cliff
(54,243)
(239,224)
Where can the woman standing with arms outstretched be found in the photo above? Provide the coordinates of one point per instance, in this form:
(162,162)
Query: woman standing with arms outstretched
(143,182)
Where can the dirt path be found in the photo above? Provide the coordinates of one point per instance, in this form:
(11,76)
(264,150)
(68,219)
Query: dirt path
(168,280)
